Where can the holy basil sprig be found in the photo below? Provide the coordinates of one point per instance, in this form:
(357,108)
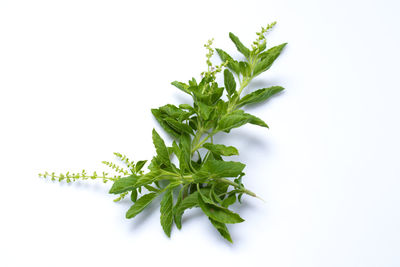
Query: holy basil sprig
(203,178)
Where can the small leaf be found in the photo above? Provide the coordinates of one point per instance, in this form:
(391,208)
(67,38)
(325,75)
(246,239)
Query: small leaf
(181,86)
(134,195)
(259,95)
(221,149)
(232,64)
(257,121)
(161,149)
(139,165)
(229,201)
(217,213)
(140,205)
(245,69)
(229,81)
(240,47)
(166,212)
(267,58)
(124,184)
(222,229)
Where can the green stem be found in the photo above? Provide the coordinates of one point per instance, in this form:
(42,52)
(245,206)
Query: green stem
(246,191)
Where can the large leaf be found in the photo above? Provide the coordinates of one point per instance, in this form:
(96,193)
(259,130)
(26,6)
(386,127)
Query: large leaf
(259,95)
(229,81)
(140,205)
(166,212)
(124,184)
(218,169)
(240,47)
(221,149)
(218,213)
(179,126)
(267,58)
(161,149)
(232,120)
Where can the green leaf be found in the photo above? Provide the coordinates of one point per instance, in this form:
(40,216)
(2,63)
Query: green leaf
(221,149)
(229,200)
(245,69)
(124,184)
(259,95)
(217,213)
(218,169)
(204,110)
(140,205)
(232,64)
(139,165)
(181,86)
(149,178)
(179,126)
(240,47)
(172,111)
(186,203)
(267,58)
(185,152)
(134,195)
(257,121)
(229,81)
(166,212)
(161,149)
(159,117)
(232,120)
(222,229)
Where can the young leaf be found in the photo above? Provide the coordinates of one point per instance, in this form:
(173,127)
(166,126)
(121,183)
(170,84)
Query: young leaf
(229,82)
(166,212)
(240,47)
(134,195)
(181,86)
(217,213)
(256,121)
(221,150)
(222,229)
(139,165)
(259,95)
(140,205)
(161,149)
(267,58)
(232,64)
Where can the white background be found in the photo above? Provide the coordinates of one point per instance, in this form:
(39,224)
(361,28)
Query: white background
(78,79)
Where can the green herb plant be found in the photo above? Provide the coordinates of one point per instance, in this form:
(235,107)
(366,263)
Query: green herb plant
(203,178)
